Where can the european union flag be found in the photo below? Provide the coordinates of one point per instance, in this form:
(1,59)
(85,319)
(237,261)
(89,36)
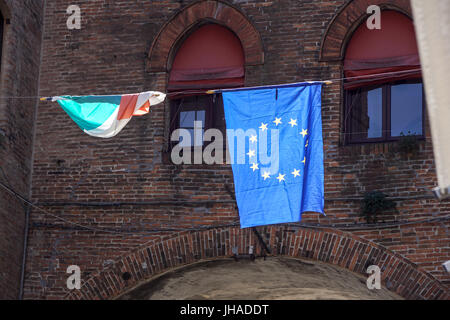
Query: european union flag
(276,148)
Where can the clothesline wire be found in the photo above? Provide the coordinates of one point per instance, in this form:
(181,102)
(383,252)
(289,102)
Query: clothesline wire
(10,190)
(23,199)
(20,197)
(366,132)
(329,81)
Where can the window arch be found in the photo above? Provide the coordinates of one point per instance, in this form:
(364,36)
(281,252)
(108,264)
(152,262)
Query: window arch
(211,57)
(384,97)
(347,19)
(215,11)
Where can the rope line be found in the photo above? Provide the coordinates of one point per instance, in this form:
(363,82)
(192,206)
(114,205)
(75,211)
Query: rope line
(329,81)
(113,231)
(200,228)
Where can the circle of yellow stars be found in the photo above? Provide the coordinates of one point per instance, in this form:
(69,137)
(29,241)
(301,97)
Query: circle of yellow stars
(252,153)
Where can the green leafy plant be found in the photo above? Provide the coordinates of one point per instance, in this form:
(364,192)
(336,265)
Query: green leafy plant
(374,204)
(408,143)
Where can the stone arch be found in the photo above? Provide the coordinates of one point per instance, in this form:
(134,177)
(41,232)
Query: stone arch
(180,25)
(331,246)
(276,277)
(348,19)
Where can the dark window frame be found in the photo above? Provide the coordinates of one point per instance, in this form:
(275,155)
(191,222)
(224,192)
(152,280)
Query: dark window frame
(211,108)
(351,136)
(2,30)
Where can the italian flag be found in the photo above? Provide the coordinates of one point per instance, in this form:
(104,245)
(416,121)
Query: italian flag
(106,116)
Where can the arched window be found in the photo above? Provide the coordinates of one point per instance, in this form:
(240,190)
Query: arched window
(212,57)
(383,92)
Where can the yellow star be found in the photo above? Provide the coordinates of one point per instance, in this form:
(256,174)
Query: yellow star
(304,133)
(296,173)
(251,153)
(293,122)
(255,167)
(307,143)
(266,175)
(263,127)
(304,161)
(281,177)
(254,139)
(277,121)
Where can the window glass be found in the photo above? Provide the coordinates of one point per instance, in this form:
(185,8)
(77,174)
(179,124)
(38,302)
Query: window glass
(187,119)
(198,138)
(184,141)
(385,113)
(201,116)
(205,109)
(367,114)
(406,109)
(375,113)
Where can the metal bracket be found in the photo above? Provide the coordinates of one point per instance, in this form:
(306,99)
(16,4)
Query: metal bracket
(261,241)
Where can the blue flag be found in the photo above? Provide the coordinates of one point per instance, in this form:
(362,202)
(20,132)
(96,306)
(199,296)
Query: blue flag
(276,148)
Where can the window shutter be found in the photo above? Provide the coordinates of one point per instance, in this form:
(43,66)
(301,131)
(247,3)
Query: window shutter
(385,55)
(212,57)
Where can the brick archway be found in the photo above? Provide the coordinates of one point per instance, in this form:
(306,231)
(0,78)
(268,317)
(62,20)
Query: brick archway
(200,12)
(330,246)
(348,19)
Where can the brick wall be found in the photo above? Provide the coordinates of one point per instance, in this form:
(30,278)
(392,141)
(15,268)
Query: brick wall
(338,248)
(110,55)
(19,77)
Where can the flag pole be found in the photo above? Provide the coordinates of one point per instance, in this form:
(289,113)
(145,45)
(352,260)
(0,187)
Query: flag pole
(328,82)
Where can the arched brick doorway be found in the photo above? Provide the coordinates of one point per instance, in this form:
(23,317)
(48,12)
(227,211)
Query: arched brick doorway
(271,279)
(332,247)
